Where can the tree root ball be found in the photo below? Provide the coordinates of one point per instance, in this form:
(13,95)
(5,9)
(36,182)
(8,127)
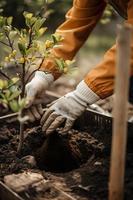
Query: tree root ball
(61,153)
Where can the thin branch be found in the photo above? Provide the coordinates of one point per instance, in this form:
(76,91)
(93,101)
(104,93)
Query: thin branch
(28,68)
(35,70)
(4,43)
(21,114)
(9,46)
(30,38)
(3,74)
(21,134)
(9,40)
(11,43)
(32,63)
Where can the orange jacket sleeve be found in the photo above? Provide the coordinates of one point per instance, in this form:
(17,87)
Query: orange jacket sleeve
(80,21)
(101,78)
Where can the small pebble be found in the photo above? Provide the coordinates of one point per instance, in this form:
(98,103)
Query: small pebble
(97,163)
(29,160)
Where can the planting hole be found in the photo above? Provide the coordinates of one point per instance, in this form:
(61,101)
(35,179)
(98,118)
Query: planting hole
(64,153)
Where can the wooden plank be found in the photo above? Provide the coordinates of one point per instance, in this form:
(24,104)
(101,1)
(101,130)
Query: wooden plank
(119,138)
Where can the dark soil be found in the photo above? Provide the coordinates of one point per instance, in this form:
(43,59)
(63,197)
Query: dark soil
(77,163)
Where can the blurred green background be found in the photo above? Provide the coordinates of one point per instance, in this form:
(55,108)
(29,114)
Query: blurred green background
(100,40)
(55,11)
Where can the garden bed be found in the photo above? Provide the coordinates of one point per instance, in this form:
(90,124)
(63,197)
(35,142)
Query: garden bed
(76,163)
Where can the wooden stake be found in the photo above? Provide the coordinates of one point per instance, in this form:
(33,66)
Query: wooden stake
(119,138)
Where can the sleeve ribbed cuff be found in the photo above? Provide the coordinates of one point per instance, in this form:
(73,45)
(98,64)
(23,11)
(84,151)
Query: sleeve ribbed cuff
(85,93)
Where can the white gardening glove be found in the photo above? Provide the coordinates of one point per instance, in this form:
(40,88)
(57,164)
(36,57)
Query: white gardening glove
(35,91)
(68,108)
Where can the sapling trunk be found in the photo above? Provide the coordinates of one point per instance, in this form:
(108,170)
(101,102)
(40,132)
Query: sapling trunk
(21,133)
(21,114)
(31,50)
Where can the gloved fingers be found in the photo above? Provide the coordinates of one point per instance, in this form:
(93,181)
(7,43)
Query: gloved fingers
(39,98)
(68,125)
(35,112)
(56,123)
(29,101)
(30,115)
(39,109)
(46,116)
(49,121)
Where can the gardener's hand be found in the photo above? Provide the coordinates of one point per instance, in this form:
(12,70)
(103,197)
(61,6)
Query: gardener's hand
(34,112)
(68,108)
(35,91)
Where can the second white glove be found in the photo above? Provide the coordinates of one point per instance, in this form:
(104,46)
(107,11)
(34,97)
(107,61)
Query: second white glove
(68,108)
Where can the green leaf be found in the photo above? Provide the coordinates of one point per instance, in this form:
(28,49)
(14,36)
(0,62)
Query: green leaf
(7,29)
(18,32)
(15,80)
(3,84)
(57,38)
(27,21)
(31,50)
(60,64)
(1,10)
(54,39)
(22,48)
(3,96)
(27,14)
(105,21)
(41,31)
(14,88)
(2,21)
(9,20)
(23,33)
(1,36)
(38,24)
(4,102)
(12,34)
(21,102)
(7,94)
(33,20)
(14,95)
(14,105)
